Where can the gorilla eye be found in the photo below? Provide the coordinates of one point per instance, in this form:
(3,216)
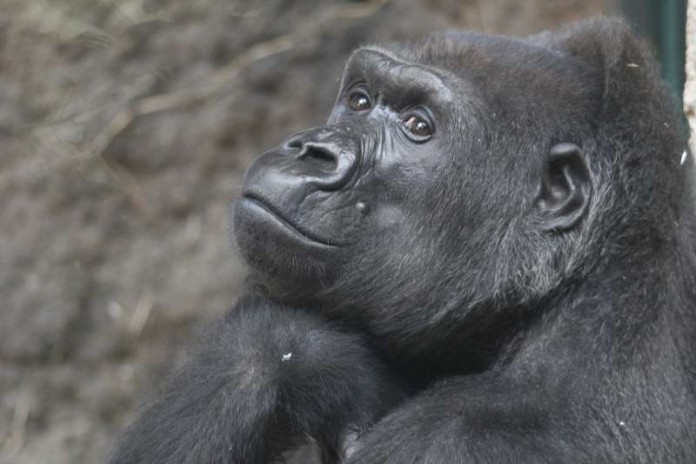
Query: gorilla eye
(418,126)
(359,101)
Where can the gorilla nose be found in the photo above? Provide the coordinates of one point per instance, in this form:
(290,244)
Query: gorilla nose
(319,153)
(327,158)
(303,171)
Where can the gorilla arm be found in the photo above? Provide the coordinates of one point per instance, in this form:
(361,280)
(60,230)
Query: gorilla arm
(267,378)
(478,420)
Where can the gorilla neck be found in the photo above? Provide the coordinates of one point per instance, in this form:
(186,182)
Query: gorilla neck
(634,298)
(630,309)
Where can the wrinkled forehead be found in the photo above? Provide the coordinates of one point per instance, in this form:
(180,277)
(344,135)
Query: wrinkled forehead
(386,71)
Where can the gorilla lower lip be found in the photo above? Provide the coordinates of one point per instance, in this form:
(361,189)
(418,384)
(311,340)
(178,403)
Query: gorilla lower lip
(279,218)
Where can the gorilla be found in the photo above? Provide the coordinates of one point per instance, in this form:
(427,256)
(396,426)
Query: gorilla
(486,255)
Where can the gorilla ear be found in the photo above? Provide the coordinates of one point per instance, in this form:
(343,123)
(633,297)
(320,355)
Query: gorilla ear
(565,188)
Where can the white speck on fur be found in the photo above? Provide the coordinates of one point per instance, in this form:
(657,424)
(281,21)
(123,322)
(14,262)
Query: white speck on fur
(683,158)
(622,423)
(286,357)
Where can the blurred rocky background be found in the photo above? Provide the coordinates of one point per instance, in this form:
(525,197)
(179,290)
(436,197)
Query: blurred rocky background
(125,128)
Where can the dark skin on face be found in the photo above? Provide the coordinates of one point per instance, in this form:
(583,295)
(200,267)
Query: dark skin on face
(324,193)
(487,255)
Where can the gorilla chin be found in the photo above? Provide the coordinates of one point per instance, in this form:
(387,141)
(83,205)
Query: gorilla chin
(295,255)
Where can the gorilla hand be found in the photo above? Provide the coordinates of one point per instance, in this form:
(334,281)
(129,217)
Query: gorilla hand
(267,378)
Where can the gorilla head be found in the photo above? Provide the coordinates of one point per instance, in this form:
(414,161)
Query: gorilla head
(444,196)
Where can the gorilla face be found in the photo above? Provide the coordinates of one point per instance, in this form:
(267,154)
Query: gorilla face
(434,185)
(323,198)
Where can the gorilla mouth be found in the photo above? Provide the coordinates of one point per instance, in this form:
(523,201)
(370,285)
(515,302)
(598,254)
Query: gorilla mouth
(279,218)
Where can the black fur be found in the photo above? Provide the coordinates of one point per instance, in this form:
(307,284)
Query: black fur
(266,377)
(529,271)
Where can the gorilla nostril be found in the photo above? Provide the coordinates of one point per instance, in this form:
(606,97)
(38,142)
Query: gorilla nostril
(321,156)
(294,144)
